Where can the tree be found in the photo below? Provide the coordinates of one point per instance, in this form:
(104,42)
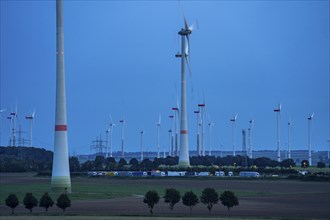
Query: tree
(63,202)
(288,163)
(134,163)
(98,162)
(122,162)
(229,199)
(74,164)
(209,197)
(304,163)
(30,201)
(46,201)
(12,202)
(151,198)
(190,199)
(172,196)
(320,164)
(110,163)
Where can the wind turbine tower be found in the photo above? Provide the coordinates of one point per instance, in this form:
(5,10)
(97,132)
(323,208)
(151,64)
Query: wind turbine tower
(171,150)
(111,131)
(250,138)
(289,139)
(30,118)
(278,112)
(106,142)
(1,111)
(122,137)
(202,112)
(61,181)
(176,129)
(141,132)
(198,147)
(210,134)
(158,129)
(310,139)
(233,120)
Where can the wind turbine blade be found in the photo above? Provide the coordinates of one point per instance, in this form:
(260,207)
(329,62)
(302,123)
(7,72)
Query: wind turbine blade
(34,112)
(189,68)
(184,17)
(194,26)
(236,116)
(110,119)
(2,110)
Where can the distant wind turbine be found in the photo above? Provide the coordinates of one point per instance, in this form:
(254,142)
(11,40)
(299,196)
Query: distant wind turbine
(198,124)
(289,139)
(210,134)
(141,132)
(233,120)
(202,112)
(158,129)
(111,132)
(278,113)
(250,137)
(176,127)
(30,118)
(1,111)
(122,137)
(310,117)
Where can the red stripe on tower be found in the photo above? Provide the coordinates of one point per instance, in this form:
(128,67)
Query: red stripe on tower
(184,132)
(61,127)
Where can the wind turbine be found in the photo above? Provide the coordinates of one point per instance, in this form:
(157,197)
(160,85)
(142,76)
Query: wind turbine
(198,124)
(289,139)
(184,151)
(158,128)
(122,137)
(210,134)
(278,113)
(250,137)
(111,131)
(310,117)
(171,153)
(106,142)
(30,118)
(202,112)
(141,132)
(176,127)
(1,110)
(233,120)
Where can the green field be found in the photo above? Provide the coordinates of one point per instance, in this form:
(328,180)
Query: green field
(122,197)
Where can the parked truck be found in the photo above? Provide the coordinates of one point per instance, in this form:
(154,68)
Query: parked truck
(249,174)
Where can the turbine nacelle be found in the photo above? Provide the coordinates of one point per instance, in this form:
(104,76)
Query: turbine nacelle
(311,116)
(234,118)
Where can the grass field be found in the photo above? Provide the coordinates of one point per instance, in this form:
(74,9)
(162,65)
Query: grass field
(111,198)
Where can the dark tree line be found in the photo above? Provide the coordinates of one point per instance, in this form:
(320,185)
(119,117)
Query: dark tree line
(110,164)
(23,159)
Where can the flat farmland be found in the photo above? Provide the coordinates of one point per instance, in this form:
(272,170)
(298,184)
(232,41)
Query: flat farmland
(124,197)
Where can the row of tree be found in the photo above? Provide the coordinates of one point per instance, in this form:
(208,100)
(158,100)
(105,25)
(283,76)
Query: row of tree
(209,198)
(45,201)
(110,164)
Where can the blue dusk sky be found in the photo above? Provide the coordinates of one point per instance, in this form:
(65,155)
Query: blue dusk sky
(245,57)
